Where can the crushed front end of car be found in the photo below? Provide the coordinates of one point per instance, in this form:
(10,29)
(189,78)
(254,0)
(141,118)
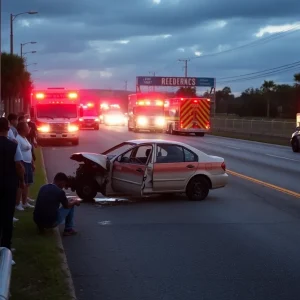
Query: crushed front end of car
(91,176)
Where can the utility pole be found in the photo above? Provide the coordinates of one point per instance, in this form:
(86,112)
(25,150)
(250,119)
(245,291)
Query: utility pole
(185,65)
(153,74)
(126,84)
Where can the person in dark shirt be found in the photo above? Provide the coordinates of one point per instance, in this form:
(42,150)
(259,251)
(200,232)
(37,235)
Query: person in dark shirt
(11,177)
(48,213)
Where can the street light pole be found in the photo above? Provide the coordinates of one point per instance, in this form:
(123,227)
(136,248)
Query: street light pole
(23,44)
(12,18)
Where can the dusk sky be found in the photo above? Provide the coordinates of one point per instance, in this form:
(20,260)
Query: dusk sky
(101,44)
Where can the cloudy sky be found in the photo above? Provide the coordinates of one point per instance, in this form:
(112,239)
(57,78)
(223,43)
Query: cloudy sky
(102,44)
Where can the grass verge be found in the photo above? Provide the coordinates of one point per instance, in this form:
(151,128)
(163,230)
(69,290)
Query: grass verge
(38,274)
(252,137)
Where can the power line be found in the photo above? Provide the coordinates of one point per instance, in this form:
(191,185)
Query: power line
(256,75)
(249,45)
(266,70)
(255,43)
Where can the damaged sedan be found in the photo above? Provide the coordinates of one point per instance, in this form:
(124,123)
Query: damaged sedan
(147,167)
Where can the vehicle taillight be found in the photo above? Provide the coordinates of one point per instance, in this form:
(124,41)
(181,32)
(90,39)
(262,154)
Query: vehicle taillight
(207,126)
(195,101)
(223,166)
(80,119)
(72,96)
(40,96)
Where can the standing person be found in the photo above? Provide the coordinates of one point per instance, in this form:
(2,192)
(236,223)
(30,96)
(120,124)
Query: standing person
(12,134)
(11,177)
(13,122)
(25,146)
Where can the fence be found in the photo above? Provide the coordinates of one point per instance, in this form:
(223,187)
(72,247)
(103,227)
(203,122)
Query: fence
(260,127)
(5,272)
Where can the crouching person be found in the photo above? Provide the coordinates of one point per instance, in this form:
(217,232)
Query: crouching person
(52,207)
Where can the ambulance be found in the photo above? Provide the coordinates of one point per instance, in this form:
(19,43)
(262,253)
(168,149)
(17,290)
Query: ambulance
(146,112)
(187,115)
(56,112)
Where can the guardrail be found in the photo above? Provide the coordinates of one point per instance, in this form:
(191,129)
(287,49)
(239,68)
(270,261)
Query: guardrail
(5,273)
(261,127)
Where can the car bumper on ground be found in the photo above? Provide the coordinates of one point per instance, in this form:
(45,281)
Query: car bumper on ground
(219,181)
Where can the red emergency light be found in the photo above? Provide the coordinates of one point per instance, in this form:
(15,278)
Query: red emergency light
(40,96)
(148,102)
(71,96)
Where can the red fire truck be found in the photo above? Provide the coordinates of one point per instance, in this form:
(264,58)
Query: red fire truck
(56,113)
(146,112)
(187,115)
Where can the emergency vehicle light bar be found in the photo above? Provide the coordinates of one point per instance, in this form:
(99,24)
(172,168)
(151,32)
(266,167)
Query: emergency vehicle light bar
(41,96)
(147,102)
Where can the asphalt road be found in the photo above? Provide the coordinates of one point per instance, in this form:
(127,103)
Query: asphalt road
(243,242)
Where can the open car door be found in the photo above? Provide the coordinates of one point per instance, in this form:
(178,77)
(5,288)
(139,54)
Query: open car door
(129,170)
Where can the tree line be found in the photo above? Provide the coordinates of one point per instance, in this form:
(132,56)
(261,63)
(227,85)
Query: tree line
(271,100)
(16,83)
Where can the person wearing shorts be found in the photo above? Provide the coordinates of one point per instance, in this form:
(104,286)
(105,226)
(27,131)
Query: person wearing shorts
(26,150)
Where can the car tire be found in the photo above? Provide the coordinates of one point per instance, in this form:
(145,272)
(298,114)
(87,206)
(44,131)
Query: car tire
(86,190)
(295,145)
(198,188)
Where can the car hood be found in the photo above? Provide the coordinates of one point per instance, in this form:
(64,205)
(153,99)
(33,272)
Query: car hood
(99,159)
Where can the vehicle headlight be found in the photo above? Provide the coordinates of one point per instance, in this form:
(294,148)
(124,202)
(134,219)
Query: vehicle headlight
(160,121)
(44,128)
(142,121)
(73,128)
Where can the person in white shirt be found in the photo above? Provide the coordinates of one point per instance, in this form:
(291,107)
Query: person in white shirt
(25,146)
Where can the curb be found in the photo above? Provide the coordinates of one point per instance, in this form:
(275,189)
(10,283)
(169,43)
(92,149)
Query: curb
(62,254)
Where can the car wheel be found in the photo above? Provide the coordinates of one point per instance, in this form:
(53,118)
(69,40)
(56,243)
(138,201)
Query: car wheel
(198,188)
(295,145)
(86,190)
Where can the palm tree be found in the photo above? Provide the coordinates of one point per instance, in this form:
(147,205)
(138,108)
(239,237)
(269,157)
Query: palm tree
(267,87)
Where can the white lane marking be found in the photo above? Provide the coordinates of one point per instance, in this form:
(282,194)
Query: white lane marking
(283,157)
(104,223)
